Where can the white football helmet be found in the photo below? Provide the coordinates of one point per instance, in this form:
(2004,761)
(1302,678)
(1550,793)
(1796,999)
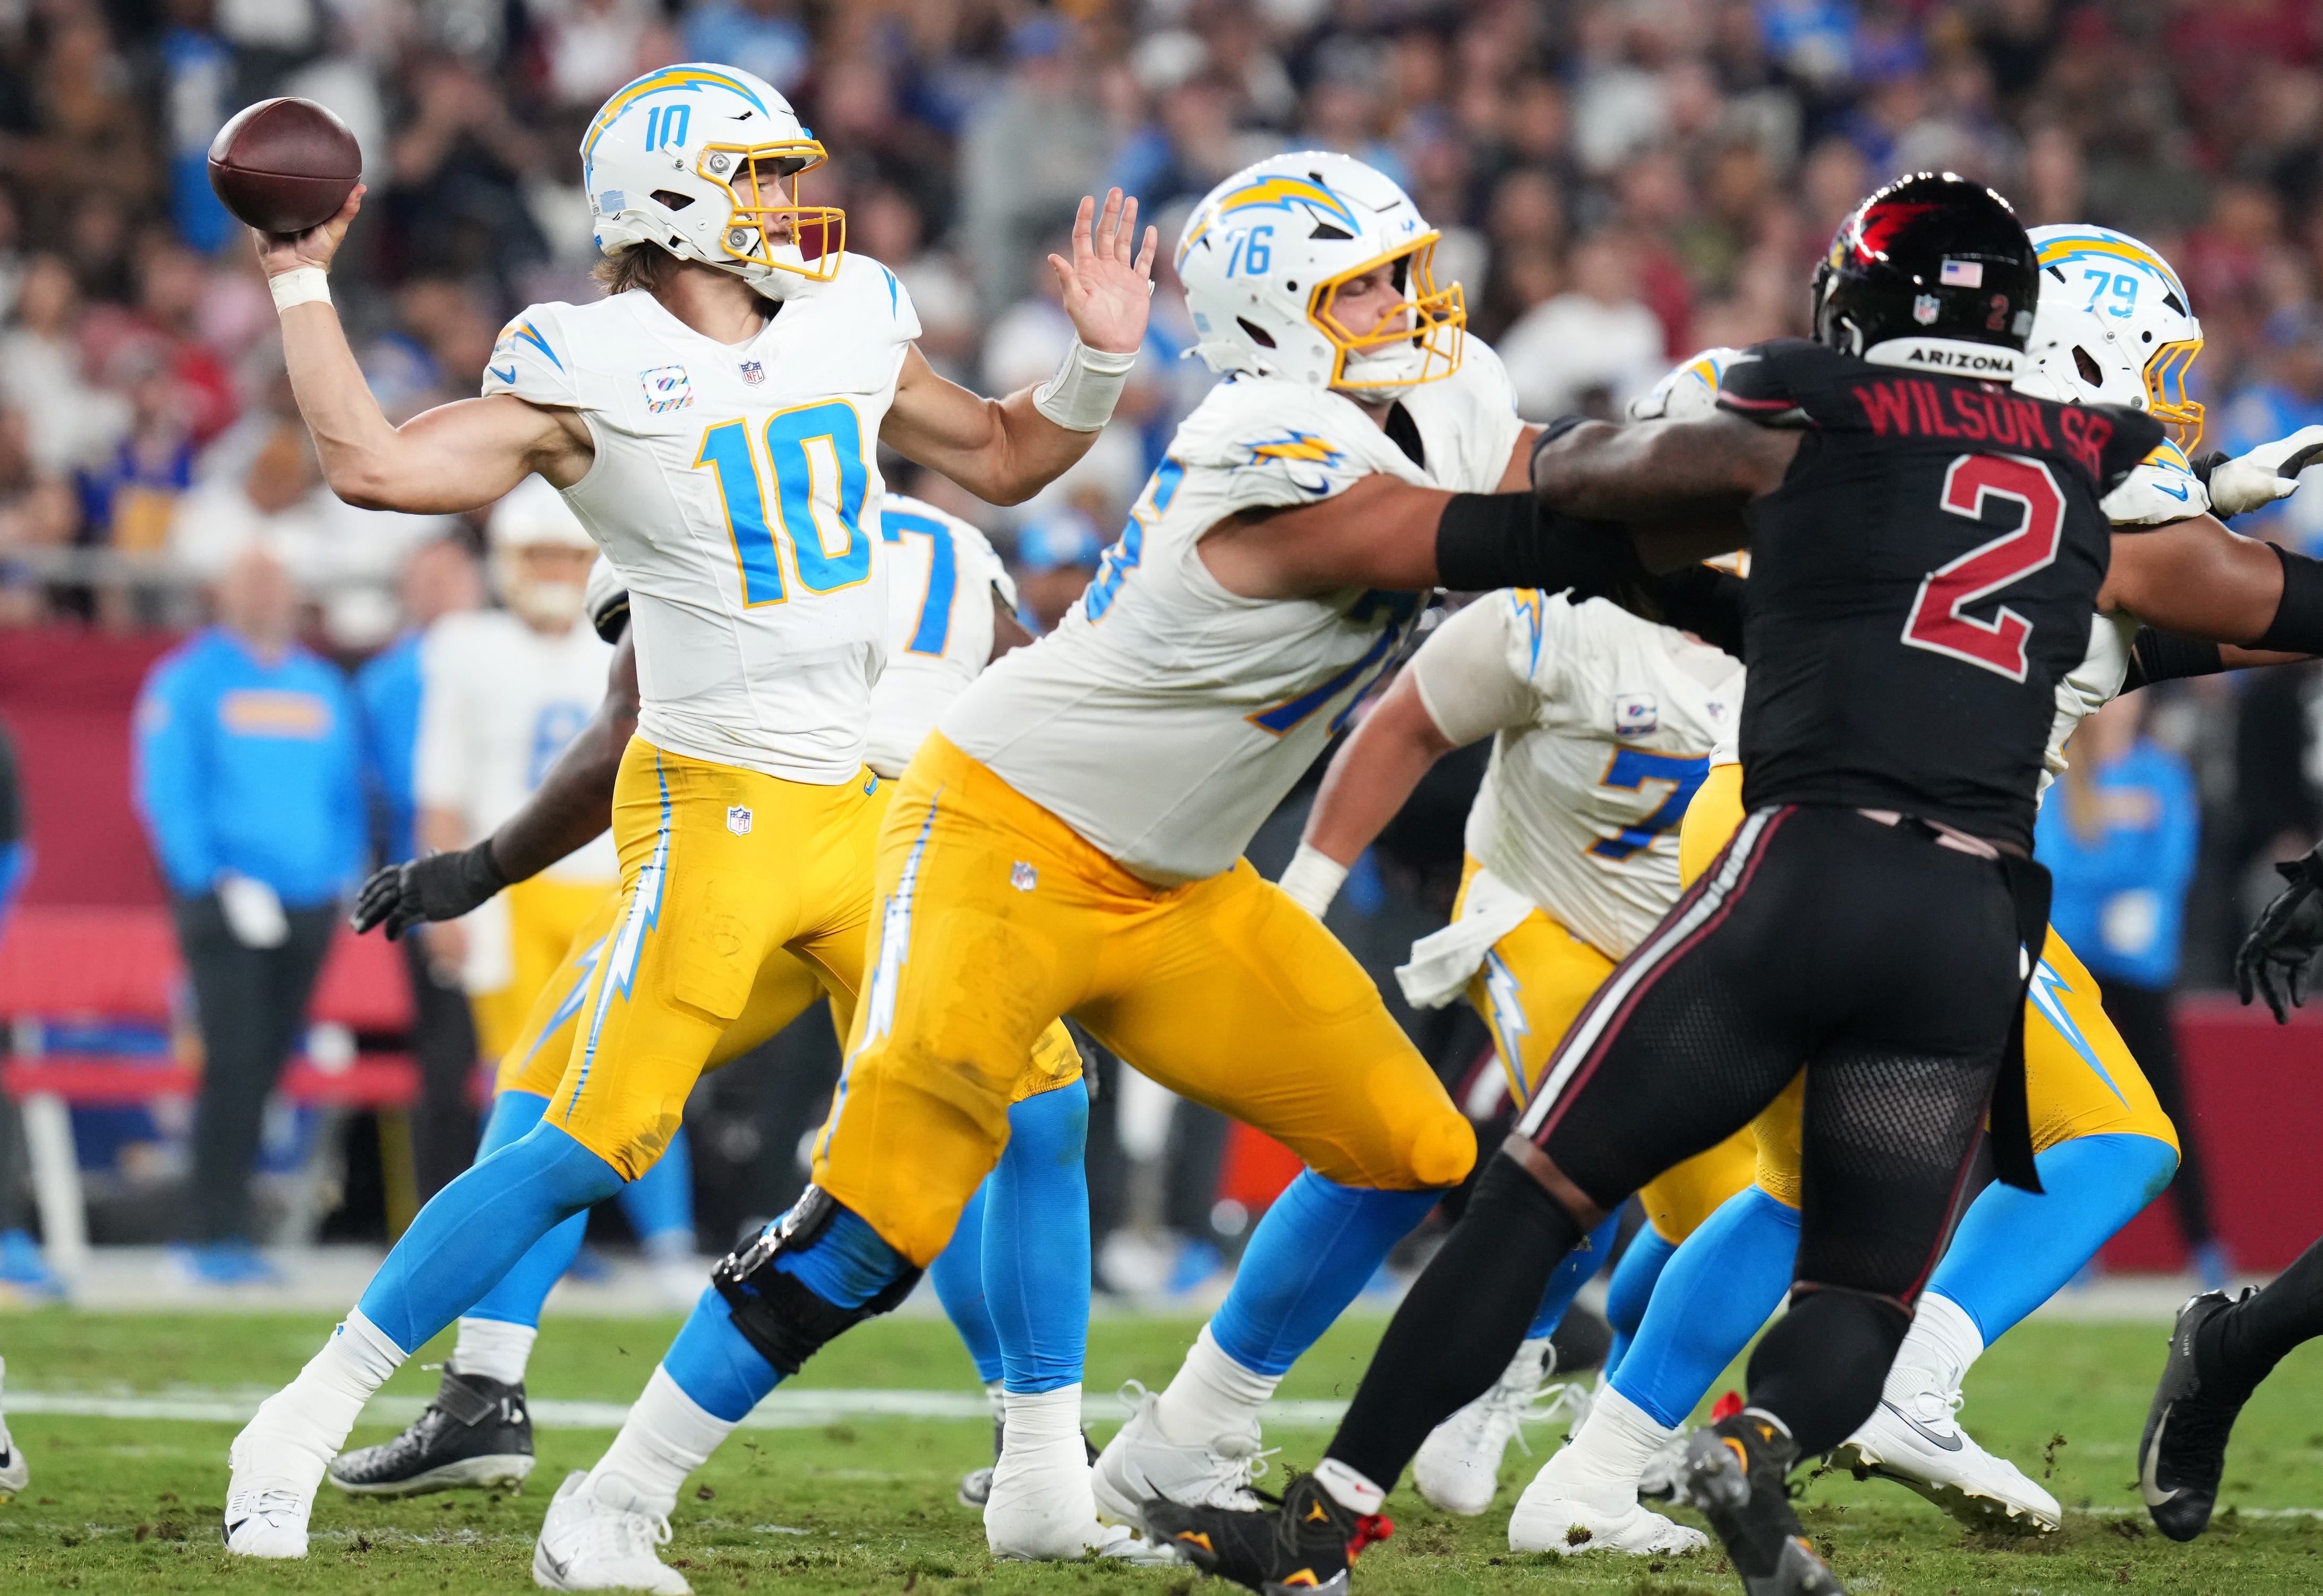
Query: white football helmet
(2113,325)
(534,515)
(1266,252)
(704,160)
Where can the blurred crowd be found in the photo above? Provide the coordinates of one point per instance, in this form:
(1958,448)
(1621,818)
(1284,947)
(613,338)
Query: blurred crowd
(1619,182)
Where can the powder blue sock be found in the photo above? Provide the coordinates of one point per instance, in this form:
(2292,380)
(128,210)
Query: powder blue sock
(710,1360)
(1315,1249)
(1714,1294)
(660,1202)
(472,1232)
(517,1300)
(2013,1249)
(1036,1242)
(1566,1280)
(714,1365)
(958,1276)
(1632,1288)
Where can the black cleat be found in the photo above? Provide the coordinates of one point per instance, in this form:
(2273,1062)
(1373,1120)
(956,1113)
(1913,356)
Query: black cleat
(1737,1473)
(1302,1544)
(2183,1450)
(475,1433)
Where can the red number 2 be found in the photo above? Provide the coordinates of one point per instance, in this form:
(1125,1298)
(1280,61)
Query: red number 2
(1938,622)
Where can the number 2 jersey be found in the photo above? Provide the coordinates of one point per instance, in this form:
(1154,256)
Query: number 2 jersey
(1920,582)
(732,489)
(1166,717)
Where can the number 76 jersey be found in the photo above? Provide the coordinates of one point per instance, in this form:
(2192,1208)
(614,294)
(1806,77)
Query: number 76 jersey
(736,490)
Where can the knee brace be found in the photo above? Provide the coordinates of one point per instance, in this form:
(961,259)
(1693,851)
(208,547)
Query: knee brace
(776,1311)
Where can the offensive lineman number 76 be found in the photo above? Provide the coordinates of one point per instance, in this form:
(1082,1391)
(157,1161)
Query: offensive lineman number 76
(1939,621)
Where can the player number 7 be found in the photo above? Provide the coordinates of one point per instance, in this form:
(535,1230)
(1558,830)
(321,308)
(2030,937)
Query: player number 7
(1939,621)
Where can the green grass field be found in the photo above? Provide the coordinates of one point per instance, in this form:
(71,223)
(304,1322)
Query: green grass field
(123,1505)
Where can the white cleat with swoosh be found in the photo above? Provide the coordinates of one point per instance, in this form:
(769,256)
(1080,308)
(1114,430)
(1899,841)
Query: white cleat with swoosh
(1913,1437)
(596,1537)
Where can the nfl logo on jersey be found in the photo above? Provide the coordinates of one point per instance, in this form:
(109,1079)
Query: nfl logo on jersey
(667,388)
(738,819)
(1635,714)
(1023,878)
(753,372)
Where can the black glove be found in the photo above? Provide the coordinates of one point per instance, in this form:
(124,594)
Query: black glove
(440,887)
(2276,956)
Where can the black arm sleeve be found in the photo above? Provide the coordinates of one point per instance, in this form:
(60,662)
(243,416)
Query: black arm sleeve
(2165,657)
(2298,624)
(1494,540)
(1707,602)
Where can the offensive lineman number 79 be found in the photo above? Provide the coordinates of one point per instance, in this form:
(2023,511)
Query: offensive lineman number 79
(1939,621)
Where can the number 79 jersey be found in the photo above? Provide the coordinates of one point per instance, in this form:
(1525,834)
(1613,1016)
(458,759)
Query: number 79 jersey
(1166,717)
(736,490)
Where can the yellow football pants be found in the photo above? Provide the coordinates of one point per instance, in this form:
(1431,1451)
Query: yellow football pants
(784,987)
(2080,1077)
(544,915)
(995,917)
(1528,990)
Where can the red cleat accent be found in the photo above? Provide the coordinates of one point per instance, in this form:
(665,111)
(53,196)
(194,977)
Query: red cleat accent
(1370,1529)
(1726,1407)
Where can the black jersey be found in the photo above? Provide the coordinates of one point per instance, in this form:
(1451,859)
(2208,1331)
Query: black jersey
(1919,583)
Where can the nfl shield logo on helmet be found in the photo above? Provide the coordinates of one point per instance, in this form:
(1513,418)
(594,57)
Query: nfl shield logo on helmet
(1635,714)
(667,388)
(738,819)
(1925,308)
(1023,878)
(753,372)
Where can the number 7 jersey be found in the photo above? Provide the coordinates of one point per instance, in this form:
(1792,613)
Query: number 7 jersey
(736,490)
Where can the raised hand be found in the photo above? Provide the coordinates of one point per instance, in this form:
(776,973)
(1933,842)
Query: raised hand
(1108,289)
(287,251)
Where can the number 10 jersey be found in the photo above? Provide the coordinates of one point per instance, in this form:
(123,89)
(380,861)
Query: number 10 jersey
(736,490)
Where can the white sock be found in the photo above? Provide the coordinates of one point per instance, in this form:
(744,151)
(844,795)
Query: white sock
(1943,1341)
(666,1437)
(1042,1418)
(1212,1396)
(997,1395)
(495,1349)
(1608,1454)
(316,1409)
(1349,1489)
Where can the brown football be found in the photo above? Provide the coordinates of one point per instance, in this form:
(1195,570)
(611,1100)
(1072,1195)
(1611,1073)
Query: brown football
(284,165)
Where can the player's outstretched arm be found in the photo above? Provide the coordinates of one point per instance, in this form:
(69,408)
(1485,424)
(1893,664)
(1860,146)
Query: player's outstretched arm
(573,803)
(456,457)
(2196,578)
(1457,689)
(1005,450)
(1681,486)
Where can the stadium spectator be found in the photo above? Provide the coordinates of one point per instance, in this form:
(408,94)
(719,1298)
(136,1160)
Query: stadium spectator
(2119,834)
(23,1265)
(1056,555)
(249,780)
(441,578)
(1594,347)
(2288,396)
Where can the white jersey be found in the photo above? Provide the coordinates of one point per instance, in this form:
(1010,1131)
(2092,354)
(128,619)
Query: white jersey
(942,578)
(1603,727)
(735,490)
(1166,717)
(498,703)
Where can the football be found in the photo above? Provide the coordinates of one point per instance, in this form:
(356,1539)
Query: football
(284,165)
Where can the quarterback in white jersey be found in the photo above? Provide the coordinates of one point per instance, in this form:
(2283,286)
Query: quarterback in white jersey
(714,422)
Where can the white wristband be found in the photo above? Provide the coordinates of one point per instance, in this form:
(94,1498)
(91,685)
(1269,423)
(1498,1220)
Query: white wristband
(301,285)
(1313,879)
(1081,396)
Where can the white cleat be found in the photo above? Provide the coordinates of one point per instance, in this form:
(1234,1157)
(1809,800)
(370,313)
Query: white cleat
(1141,1464)
(14,1472)
(1913,1438)
(1551,1517)
(597,1538)
(1665,1471)
(1458,1468)
(271,1494)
